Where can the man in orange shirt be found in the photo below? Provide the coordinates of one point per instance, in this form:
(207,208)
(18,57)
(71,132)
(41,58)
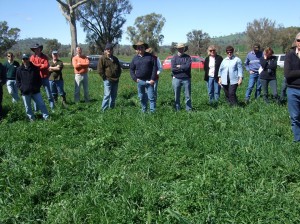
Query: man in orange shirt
(40,60)
(81,64)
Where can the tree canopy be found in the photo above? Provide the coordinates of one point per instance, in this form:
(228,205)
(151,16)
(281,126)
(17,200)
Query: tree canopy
(8,37)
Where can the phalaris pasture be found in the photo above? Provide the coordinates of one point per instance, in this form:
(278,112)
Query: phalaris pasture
(213,165)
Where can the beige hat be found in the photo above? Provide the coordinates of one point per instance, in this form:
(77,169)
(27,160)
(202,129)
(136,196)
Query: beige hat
(182,45)
(140,43)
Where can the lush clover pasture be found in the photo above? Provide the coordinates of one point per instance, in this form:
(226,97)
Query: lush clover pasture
(216,164)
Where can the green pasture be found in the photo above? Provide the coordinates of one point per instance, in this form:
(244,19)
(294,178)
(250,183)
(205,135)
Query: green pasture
(213,165)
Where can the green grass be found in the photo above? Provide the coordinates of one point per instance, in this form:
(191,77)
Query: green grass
(213,165)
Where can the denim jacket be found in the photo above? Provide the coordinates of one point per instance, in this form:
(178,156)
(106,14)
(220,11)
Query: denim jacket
(232,65)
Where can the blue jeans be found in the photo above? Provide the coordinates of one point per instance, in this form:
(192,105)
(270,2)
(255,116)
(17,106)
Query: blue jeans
(155,88)
(38,100)
(253,78)
(186,83)
(12,90)
(57,87)
(293,97)
(110,94)
(214,89)
(81,79)
(145,92)
(283,89)
(46,84)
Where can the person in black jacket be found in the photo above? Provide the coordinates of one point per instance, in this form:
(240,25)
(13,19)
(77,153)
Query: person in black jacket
(2,82)
(292,75)
(29,82)
(268,74)
(211,68)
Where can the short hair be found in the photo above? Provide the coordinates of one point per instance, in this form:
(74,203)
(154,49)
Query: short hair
(297,36)
(211,47)
(229,48)
(268,51)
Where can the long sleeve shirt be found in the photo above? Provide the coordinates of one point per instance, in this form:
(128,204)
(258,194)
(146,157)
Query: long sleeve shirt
(143,67)
(232,67)
(11,69)
(269,67)
(252,62)
(80,64)
(292,69)
(42,63)
(185,62)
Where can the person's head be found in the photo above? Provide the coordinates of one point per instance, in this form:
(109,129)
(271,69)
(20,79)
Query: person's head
(78,50)
(268,52)
(10,56)
(37,49)
(297,41)
(229,51)
(25,59)
(54,54)
(140,47)
(256,47)
(108,50)
(150,50)
(211,50)
(181,48)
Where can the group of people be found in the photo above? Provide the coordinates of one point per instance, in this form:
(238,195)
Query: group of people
(220,73)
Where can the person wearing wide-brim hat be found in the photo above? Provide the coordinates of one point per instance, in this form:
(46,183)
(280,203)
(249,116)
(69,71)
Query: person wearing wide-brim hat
(181,73)
(40,60)
(143,69)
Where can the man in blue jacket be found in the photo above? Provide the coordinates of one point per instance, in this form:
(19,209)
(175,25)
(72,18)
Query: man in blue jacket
(181,73)
(252,64)
(143,69)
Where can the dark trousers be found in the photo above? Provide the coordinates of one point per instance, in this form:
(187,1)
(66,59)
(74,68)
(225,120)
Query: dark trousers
(230,93)
(1,97)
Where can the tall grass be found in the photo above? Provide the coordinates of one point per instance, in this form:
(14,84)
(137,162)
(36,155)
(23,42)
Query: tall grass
(213,165)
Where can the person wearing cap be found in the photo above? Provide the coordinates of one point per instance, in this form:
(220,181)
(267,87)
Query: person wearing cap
(2,82)
(159,70)
(211,68)
(29,82)
(252,64)
(40,60)
(143,70)
(56,78)
(292,75)
(109,69)
(231,75)
(11,66)
(81,64)
(181,76)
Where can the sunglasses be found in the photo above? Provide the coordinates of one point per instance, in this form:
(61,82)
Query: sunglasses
(298,40)
(140,48)
(212,50)
(9,56)
(229,52)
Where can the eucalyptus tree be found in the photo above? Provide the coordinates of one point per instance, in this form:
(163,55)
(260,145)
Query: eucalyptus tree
(198,42)
(148,29)
(103,20)
(8,37)
(68,9)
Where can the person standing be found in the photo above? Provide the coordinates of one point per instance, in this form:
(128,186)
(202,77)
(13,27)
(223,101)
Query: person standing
(159,70)
(252,64)
(109,69)
(29,82)
(292,75)
(268,74)
(143,70)
(40,60)
(181,76)
(2,82)
(81,64)
(11,68)
(56,78)
(211,68)
(231,75)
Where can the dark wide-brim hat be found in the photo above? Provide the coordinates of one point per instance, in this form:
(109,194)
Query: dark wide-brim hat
(140,43)
(37,46)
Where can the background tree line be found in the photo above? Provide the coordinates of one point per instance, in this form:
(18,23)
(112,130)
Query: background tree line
(102,20)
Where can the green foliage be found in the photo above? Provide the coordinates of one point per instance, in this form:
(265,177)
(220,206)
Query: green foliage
(213,165)
(8,37)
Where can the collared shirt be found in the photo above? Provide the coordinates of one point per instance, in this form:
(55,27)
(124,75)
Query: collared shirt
(232,67)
